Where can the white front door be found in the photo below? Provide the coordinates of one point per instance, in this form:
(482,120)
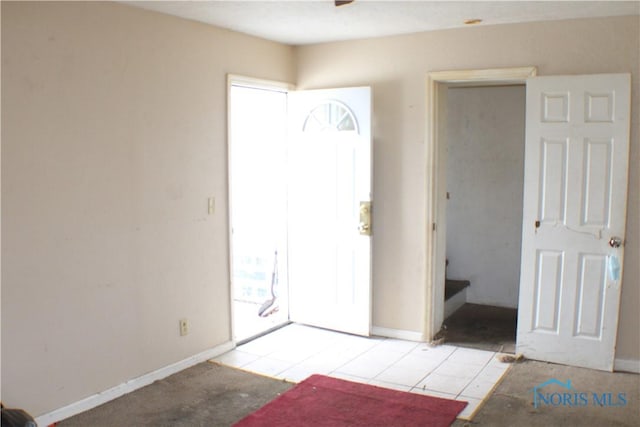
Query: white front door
(329,188)
(575,195)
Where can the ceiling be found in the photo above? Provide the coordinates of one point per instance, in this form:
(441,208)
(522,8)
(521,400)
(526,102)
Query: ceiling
(318,21)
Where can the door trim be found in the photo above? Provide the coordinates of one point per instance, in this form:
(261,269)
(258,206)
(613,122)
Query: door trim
(435,82)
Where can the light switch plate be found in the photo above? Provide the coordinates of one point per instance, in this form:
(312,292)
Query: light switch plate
(184,327)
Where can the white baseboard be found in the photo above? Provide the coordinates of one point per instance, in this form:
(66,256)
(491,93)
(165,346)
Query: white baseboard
(626,365)
(397,333)
(129,386)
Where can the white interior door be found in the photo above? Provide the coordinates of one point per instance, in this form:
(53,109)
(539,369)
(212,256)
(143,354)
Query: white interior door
(575,195)
(329,178)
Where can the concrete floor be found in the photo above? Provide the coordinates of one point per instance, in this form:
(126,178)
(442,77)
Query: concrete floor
(212,395)
(511,403)
(207,394)
(483,327)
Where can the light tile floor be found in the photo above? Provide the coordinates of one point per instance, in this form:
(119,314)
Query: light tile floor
(295,352)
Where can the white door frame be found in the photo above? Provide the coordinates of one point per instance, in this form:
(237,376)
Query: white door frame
(437,82)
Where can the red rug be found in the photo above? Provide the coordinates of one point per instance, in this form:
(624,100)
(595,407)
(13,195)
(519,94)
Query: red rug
(324,401)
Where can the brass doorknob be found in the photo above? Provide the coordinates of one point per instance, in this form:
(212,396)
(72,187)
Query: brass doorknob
(615,242)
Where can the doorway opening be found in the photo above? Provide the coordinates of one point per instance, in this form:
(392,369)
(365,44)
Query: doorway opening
(574,196)
(258,207)
(485,133)
(300,207)
(476,153)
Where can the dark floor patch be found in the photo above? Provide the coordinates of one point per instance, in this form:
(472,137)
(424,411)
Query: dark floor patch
(204,395)
(483,327)
(511,404)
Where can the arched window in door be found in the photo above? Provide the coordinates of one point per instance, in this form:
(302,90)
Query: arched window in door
(331,116)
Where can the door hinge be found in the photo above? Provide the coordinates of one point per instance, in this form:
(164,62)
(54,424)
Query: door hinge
(433,226)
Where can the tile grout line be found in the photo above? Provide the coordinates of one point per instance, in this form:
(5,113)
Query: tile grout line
(476,376)
(393,363)
(483,401)
(326,348)
(433,370)
(335,371)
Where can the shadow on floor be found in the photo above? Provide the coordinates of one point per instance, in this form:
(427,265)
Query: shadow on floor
(483,327)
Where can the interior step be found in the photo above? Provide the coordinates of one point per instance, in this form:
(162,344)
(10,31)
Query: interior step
(455,295)
(453,287)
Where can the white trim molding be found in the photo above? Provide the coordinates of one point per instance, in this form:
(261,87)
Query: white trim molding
(397,333)
(131,385)
(436,82)
(626,365)
(496,76)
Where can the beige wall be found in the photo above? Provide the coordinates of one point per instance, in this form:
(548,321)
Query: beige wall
(113,137)
(396,68)
(485,178)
